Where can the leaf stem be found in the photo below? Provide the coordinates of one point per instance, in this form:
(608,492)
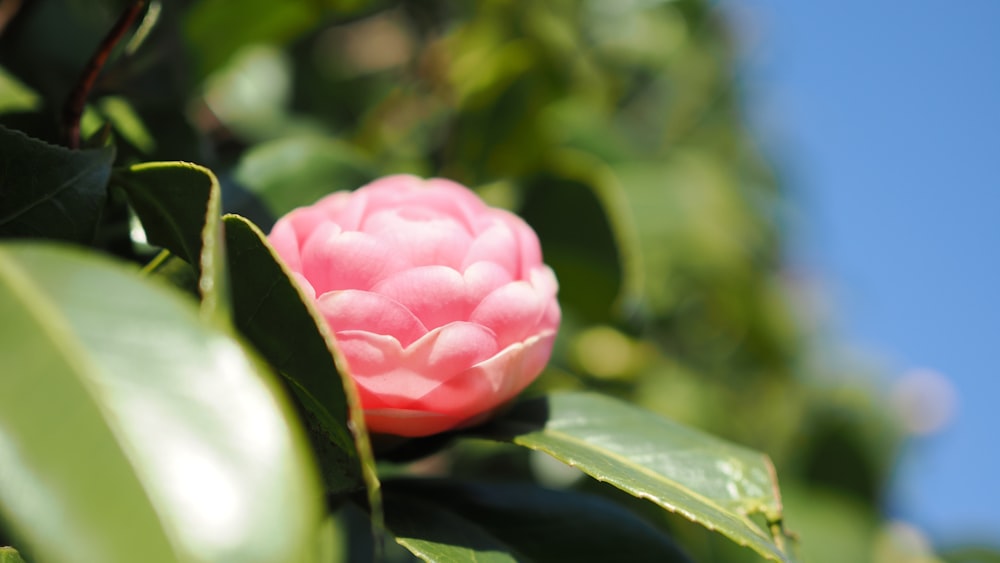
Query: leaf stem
(73,109)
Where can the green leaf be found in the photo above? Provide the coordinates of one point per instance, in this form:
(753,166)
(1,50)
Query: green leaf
(258,113)
(15,96)
(717,484)
(127,122)
(313,165)
(270,309)
(218,28)
(133,430)
(10,555)
(51,192)
(179,206)
(448,521)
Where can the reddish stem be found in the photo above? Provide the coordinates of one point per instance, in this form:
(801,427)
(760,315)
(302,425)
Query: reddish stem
(73,110)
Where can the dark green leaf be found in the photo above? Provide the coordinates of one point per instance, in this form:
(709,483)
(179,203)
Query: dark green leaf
(717,484)
(133,430)
(447,521)
(51,192)
(179,206)
(271,311)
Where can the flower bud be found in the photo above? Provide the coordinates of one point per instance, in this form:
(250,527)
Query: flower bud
(440,304)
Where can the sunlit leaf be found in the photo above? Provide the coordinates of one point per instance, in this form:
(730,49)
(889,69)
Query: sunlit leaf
(51,192)
(14,95)
(127,122)
(10,555)
(449,521)
(717,484)
(131,429)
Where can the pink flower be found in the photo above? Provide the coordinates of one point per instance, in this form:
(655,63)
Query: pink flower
(440,304)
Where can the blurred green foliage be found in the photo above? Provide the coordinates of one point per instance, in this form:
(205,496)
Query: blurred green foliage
(614,127)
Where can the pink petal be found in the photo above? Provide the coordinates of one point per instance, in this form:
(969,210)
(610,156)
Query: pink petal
(409,423)
(545,283)
(304,221)
(536,355)
(449,350)
(369,354)
(303,283)
(482,278)
(435,294)
(334,260)
(446,197)
(347,209)
(497,244)
(332,204)
(492,383)
(375,365)
(551,318)
(371,312)
(530,249)
(386,376)
(285,244)
(543,279)
(318,263)
(459,194)
(512,312)
(420,235)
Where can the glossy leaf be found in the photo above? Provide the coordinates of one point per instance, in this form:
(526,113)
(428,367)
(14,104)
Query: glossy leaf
(448,521)
(133,430)
(272,312)
(179,206)
(717,484)
(51,192)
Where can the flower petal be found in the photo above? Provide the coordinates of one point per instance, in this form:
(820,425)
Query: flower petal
(543,279)
(492,383)
(497,244)
(305,221)
(512,312)
(449,350)
(285,243)
(420,235)
(482,278)
(529,248)
(369,354)
(374,364)
(347,209)
(317,261)
(305,285)
(409,423)
(334,260)
(388,376)
(446,197)
(435,294)
(371,312)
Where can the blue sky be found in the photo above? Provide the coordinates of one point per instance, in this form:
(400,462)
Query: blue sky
(886,119)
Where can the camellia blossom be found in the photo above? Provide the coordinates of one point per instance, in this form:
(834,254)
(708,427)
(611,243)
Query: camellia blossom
(440,304)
